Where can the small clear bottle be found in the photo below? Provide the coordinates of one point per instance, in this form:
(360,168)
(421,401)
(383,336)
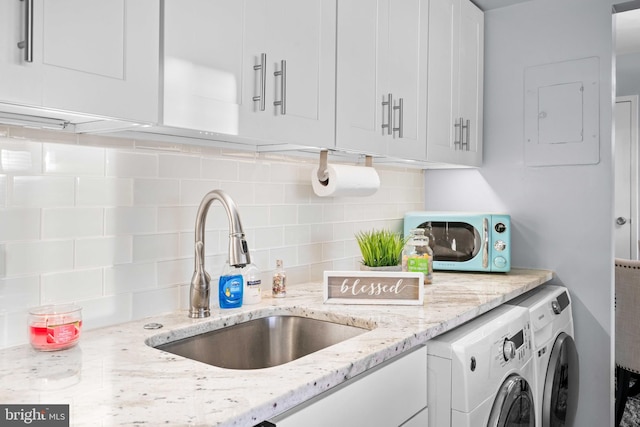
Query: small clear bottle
(279,284)
(417,256)
(253,285)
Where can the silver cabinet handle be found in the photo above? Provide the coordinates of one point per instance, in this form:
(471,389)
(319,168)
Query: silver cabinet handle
(466,131)
(283,87)
(621,220)
(389,104)
(400,108)
(458,133)
(27,43)
(263,80)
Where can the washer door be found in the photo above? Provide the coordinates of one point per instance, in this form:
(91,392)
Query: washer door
(513,406)
(560,399)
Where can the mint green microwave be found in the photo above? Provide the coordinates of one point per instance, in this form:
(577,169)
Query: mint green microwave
(465,241)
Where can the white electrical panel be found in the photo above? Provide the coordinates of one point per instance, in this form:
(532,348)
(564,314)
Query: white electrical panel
(562,113)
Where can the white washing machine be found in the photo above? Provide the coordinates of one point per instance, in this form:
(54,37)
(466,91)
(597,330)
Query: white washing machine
(480,374)
(555,355)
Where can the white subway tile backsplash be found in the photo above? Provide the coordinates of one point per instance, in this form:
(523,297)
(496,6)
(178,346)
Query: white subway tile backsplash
(61,159)
(105,311)
(193,191)
(156,247)
(254,216)
(156,192)
(177,272)
(267,237)
(322,233)
(154,302)
(220,169)
(267,193)
(283,214)
(177,218)
(110,224)
(297,234)
(103,251)
(19,224)
(60,223)
(178,166)
(24,157)
(19,293)
(42,191)
(38,256)
(129,278)
(125,164)
(3,191)
(309,214)
(130,220)
(71,286)
(104,191)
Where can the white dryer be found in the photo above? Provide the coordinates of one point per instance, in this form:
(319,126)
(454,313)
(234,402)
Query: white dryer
(480,373)
(555,355)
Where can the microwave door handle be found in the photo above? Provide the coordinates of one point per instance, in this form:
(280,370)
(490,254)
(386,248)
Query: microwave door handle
(485,238)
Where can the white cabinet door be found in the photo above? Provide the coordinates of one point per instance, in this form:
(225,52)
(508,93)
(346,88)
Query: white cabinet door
(454,121)
(208,82)
(382,54)
(89,56)
(470,77)
(21,81)
(389,395)
(301,35)
(215,80)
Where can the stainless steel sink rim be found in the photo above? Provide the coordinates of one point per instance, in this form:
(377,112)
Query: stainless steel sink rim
(262,342)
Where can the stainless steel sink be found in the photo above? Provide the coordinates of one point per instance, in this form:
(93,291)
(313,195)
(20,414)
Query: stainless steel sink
(262,343)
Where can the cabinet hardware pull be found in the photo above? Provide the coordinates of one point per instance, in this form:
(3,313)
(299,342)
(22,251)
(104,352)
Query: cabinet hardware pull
(389,104)
(457,133)
(263,80)
(27,43)
(400,108)
(283,87)
(466,128)
(485,242)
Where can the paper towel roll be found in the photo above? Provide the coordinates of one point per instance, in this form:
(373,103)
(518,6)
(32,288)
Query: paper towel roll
(346,181)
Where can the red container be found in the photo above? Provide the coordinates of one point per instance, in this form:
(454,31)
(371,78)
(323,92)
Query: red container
(55,327)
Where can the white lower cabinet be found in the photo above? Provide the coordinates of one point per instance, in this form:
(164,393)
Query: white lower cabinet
(392,394)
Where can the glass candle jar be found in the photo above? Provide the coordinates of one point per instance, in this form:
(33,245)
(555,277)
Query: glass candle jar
(55,327)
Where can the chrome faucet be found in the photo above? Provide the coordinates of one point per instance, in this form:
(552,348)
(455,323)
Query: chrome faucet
(238,251)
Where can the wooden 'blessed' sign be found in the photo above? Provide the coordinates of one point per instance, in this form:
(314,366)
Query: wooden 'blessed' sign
(368,287)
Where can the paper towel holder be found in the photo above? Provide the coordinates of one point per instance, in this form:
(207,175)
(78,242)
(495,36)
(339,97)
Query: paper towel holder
(323,172)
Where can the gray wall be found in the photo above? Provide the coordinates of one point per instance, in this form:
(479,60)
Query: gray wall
(628,74)
(562,215)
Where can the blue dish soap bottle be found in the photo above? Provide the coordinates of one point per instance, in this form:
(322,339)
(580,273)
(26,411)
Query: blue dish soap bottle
(231,287)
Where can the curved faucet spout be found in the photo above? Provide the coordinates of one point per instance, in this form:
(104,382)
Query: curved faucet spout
(238,251)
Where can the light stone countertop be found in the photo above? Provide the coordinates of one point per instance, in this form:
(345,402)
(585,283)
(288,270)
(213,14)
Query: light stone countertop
(113,378)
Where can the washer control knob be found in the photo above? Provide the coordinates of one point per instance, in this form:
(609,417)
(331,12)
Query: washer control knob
(508,350)
(556,307)
(499,245)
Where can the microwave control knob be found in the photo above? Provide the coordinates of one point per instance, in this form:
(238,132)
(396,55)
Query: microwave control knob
(508,350)
(500,262)
(499,245)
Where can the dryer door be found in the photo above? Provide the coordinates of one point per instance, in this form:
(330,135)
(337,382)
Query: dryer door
(513,406)
(560,399)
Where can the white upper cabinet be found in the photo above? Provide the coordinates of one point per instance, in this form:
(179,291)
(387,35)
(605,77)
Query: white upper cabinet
(382,77)
(88,56)
(456,58)
(257,69)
